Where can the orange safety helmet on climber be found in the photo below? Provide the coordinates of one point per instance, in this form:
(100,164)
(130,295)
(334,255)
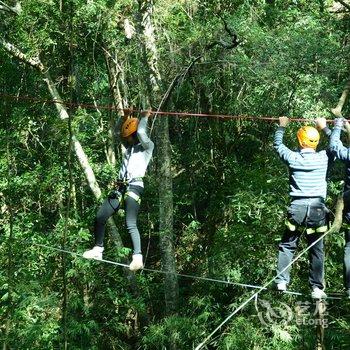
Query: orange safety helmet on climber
(308,137)
(129,127)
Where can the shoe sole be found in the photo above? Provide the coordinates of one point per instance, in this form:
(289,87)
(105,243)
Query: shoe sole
(92,258)
(319,298)
(135,268)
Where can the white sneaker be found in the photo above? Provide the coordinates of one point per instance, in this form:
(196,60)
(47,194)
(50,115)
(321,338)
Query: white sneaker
(282,286)
(136,263)
(318,293)
(94,253)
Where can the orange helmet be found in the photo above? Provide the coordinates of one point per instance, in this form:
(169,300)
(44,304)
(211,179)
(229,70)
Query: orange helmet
(129,126)
(308,137)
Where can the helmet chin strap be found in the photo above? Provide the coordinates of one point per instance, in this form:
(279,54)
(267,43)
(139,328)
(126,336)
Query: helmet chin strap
(307,147)
(132,140)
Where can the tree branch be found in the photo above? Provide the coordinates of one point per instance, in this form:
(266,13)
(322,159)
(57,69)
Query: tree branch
(61,109)
(36,63)
(233,41)
(338,216)
(337,111)
(179,77)
(15,52)
(16,10)
(344,4)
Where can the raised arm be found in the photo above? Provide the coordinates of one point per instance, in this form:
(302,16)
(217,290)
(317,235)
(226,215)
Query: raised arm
(321,124)
(283,151)
(335,145)
(142,135)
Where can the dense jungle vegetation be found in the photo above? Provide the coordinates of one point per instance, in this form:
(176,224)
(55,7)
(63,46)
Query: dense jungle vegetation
(215,193)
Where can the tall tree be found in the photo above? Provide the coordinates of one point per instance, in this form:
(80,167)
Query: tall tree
(164,173)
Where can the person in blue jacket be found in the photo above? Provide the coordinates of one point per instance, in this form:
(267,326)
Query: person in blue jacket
(307,210)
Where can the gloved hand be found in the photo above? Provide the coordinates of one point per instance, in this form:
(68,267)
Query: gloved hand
(283,121)
(321,123)
(339,122)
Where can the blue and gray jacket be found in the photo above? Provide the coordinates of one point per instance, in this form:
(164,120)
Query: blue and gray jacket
(307,168)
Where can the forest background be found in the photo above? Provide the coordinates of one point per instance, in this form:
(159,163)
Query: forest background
(216,193)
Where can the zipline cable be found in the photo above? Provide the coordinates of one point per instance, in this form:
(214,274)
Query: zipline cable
(156,113)
(177,274)
(200,346)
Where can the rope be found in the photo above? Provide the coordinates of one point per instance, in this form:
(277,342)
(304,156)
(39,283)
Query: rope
(177,274)
(162,272)
(155,113)
(200,346)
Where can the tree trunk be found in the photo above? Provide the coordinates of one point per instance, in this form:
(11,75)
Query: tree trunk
(9,280)
(337,111)
(164,175)
(166,235)
(320,323)
(114,72)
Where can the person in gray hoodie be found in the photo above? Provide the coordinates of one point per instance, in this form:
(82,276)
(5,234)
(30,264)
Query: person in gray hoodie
(138,153)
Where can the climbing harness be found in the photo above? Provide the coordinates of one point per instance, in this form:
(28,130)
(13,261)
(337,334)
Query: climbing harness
(134,179)
(122,190)
(308,230)
(132,195)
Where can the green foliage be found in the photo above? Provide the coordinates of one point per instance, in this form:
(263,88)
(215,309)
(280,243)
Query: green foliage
(230,191)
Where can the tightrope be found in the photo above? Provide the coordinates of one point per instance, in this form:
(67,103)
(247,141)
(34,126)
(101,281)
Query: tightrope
(159,271)
(171,273)
(155,113)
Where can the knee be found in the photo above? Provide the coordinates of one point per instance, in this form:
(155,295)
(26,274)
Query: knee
(319,248)
(317,251)
(347,260)
(347,249)
(289,245)
(286,247)
(100,218)
(131,223)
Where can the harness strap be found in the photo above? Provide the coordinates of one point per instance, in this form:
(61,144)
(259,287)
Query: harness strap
(309,230)
(290,226)
(135,179)
(127,182)
(133,195)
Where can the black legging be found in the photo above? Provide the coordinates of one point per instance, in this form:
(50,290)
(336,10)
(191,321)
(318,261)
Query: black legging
(109,207)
